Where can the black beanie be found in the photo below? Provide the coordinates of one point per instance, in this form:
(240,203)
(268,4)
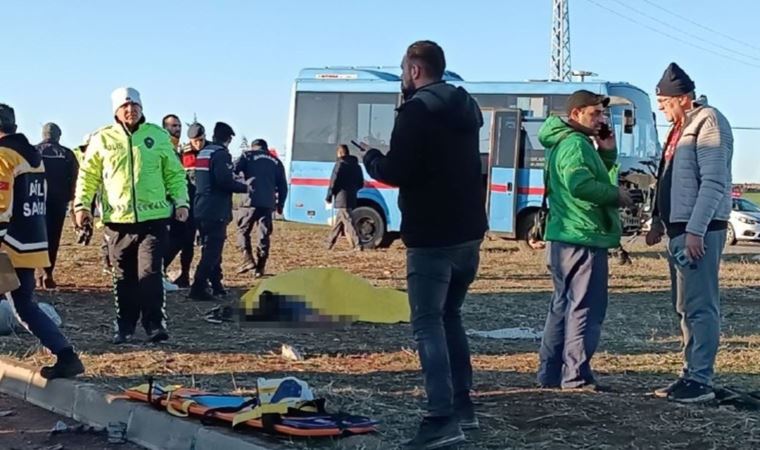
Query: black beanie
(222,132)
(674,82)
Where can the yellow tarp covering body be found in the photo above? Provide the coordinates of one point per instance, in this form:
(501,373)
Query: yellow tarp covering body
(336,293)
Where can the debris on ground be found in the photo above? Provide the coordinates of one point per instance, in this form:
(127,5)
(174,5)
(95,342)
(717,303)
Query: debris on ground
(291,353)
(218,315)
(507,333)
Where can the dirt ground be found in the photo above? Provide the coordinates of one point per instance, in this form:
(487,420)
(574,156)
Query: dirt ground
(26,427)
(373,369)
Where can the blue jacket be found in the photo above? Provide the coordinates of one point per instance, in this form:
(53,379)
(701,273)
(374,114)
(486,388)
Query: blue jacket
(700,191)
(266,174)
(215,184)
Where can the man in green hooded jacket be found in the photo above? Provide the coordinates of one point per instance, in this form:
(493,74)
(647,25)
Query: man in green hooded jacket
(583,223)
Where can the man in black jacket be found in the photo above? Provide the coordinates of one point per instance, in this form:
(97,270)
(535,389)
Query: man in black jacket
(61,169)
(215,185)
(346,180)
(266,174)
(435,162)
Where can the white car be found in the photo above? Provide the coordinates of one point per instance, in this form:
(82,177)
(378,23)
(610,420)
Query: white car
(744,224)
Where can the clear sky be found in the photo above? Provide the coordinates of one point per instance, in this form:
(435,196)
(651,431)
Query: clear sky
(235,60)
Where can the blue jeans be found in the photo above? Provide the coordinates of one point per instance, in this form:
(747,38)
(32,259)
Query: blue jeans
(32,317)
(576,312)
(438,279)
(696,298)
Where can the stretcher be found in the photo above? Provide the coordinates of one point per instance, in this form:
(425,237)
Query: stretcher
(306,418)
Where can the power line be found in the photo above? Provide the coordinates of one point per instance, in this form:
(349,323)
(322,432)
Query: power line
(702,26)
(676,38)
(687,33)
(733,128)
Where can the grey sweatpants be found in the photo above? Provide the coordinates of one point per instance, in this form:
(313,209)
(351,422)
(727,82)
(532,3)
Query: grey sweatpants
(696,298)
(576,312)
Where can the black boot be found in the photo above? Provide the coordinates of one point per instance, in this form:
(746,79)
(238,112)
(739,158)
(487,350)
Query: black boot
(201,294)
(157,335)
(121,338)
(218,290)
(435,432)
(182,281)
(67,365)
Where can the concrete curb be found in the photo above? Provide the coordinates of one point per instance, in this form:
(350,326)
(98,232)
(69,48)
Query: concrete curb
(146,426)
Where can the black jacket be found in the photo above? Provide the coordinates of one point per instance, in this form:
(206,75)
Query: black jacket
(346,180)
(215,184)
(266,174)
(61,168)
(434,159)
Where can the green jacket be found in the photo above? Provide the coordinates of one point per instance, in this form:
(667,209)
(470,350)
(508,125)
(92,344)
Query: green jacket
(140,175)
(582,183)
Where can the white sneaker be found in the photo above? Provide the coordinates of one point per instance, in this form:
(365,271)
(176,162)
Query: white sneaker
(169,286)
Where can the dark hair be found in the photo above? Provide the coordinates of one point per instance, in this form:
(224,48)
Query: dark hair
(7,119)
(167,117)
(429,55)
(8,128)
(342,150)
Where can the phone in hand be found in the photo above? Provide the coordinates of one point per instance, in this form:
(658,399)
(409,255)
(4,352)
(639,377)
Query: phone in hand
(680,258)
(356,144)
(604,131)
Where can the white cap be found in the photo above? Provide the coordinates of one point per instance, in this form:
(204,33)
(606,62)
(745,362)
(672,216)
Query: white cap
(86,139)
(124,95)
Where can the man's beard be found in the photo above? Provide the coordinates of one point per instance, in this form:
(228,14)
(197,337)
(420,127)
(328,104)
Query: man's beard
(407,90)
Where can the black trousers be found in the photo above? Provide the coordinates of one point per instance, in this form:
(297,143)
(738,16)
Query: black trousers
(136,252)
(55,216)
(181,241)
(259,219)
(209,270)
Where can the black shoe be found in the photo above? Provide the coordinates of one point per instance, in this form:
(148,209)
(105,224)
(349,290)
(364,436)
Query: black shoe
(157,335)
(435,433)
(182,281)
(201,295)
(217,290)
(67,365)
(121,338)
(664,392)
(468,420)
(246,267)
(692,392)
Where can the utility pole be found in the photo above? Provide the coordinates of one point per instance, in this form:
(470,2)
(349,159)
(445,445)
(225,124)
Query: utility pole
(560,56)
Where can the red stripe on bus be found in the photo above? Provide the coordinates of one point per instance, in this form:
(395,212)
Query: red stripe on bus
(310,182)
(323,182)
(530,190)
(502,188)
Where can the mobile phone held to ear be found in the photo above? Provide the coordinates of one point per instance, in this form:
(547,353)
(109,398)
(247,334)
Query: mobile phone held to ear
(604,131)
(356,144)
